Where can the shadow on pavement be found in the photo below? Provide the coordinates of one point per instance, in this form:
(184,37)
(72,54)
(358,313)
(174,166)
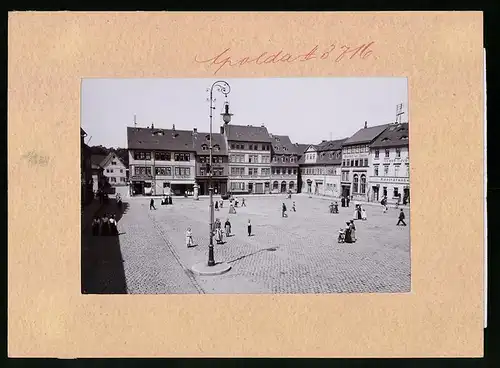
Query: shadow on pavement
(273,249)
(102,263)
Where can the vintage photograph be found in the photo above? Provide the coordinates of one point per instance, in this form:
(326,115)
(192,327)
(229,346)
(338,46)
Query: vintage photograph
(245,186)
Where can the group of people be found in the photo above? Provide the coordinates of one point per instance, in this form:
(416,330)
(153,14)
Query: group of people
(359,213)
(217,232)
(334,207)
(104,225)
(348,235)
(166,200)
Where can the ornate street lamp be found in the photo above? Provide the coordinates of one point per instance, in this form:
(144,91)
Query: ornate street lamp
(224,88)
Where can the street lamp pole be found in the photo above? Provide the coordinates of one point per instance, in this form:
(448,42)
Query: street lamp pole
(224,88)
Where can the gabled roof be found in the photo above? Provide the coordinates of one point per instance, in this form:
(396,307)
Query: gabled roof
(300,148)
(160,139)
(97,159)
(330,145)
(395,136)
(249,133)
(281,144)
(201,139)
(109,158)
(365,135)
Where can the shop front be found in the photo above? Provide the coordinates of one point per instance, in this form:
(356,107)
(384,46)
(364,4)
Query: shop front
(219,186)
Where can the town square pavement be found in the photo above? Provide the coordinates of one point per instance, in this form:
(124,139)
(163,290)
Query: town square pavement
(297,254)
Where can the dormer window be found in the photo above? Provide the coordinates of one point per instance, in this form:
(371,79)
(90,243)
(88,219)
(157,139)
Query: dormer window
(404,137)
(175,135)
(216,147)
(277,139)
(204,147)
(207,137)
(158,132)
(276,148)
(385,139)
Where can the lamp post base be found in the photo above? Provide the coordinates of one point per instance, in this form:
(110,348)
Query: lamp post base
(203,269)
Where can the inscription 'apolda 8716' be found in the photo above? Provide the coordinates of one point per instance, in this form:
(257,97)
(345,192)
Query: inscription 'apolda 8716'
(331,52)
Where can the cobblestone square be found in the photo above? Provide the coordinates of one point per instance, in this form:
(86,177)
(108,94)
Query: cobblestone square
(297,254)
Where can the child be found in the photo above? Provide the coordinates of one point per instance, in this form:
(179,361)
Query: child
(249,226)
(189,238)
(227,226)
(363,214)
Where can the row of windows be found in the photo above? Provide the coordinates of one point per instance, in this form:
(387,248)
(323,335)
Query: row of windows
(356,149)
(285,159)
(241,171)
(215,159)
(284,171)
(355,162)
(398,153)
(250,159)
(162,171)
(397,168)
(216,171)
(251,147)
(161,156)
(113,180)
(205,147)
(276,185)
(318,171)
(358,183)
(112,170)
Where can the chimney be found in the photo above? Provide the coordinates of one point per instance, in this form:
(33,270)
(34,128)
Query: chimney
(152,126)
(366,124)
(173,127)
(195,130)
(262,125)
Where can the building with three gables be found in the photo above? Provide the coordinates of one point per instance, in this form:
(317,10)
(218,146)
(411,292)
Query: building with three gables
(284,164)
(249,150)
(161,161)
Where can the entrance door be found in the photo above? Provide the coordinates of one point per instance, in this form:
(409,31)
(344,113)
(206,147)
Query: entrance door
(346,192)
(250,187)
(259,188)
(375,194)
(283,186)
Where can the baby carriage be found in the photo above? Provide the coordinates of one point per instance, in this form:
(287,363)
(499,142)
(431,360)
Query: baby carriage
(341,238)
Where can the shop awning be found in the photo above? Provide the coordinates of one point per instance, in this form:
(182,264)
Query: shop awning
(182,182)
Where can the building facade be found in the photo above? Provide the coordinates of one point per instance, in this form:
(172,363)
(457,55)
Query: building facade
(220,166)
(85,170)
(390,168)
(161,161)
(284,165)
(356,162)
(320,168)
(249,150)
(114,170)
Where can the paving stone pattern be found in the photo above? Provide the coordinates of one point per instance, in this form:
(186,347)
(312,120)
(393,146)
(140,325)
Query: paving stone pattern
(297,254)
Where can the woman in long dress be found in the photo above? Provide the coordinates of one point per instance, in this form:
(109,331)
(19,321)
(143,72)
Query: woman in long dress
(348,236)
(363,214)
(96,226)
(105,225)
(353,231)
(227,226)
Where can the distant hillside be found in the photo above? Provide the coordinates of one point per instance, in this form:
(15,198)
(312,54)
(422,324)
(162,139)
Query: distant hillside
(122,153)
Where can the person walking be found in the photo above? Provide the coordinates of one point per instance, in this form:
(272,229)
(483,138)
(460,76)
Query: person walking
(283,210)
(189,238)
(243,204)
(383,202)
(336,208)
(152,204)
(216,205)
(401,218)
(293,207)
(347,201)
(249,228)
(227,227)
(113,226)
(348,233)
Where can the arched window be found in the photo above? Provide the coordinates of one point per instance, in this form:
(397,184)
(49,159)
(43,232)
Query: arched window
(291,185)
(283,186)
(355,181)
(275,185)
(363,184)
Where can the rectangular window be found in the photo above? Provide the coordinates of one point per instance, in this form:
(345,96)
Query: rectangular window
(386,153)
(407,170)
(366,162)
(182,171)
(112,179)
(232,146)
(386,170)
(113,162)
(398,152)
(377,154)
(396,192)
(182,156)
(352,162)
(375,170)
(203,171)
(162,156)
(396,170)
(122,180)
(164,171)
(356,163)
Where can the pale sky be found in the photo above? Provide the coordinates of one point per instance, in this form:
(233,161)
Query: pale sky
(308,110)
